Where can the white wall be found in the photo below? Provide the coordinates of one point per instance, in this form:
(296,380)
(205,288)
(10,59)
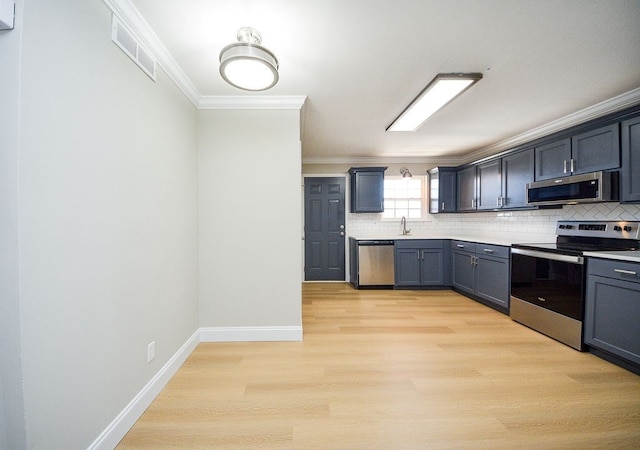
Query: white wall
(12,430)
(250,218)
(108,223)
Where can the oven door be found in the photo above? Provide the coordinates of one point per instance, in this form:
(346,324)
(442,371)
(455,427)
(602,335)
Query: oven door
(547,293)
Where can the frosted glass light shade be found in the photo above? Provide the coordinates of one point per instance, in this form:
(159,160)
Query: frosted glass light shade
(248,66)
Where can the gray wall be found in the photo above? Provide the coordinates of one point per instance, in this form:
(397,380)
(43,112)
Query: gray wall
(12,429)
(107,208)
(250,218)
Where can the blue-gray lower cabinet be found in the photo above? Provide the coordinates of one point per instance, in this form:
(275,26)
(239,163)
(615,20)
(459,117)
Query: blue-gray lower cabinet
(482,271)
(421,262)
(462,266)
(612,308)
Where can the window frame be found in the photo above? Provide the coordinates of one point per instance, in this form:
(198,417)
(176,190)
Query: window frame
(423,199)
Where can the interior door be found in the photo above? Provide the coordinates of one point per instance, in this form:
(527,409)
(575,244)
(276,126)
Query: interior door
(324,228)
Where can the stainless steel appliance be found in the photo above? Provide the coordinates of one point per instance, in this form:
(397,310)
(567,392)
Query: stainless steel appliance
(375,263)
(547,280)
(585,188)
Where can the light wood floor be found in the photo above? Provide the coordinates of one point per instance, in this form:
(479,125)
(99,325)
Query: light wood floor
(395,369)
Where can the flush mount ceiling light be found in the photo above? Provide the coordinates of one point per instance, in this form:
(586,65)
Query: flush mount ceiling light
(246,64)
(405,173)
(440,91)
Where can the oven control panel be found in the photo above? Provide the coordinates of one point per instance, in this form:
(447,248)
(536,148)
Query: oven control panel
(602,229)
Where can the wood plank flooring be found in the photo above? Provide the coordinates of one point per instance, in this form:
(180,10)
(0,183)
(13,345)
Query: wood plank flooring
(394,370)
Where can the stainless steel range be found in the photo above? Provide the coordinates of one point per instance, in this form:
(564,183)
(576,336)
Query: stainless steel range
(548,279)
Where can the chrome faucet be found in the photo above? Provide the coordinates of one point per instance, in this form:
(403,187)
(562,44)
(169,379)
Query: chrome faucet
(403,221)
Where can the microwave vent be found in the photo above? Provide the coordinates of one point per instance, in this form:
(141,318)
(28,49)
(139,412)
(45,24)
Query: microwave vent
(127,42)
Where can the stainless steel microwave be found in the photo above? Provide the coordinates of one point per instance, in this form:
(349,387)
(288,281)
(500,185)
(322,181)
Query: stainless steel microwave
(585,188)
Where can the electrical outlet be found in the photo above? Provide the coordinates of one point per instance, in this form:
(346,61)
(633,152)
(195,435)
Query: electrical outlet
(151,352)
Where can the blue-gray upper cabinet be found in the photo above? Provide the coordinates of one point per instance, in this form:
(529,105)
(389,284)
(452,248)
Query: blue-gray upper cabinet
(421,262)
(442,190)
(466,189)
(517,171)
(367,189)
(552,159)
(496,184)
(590,151)
(630,171)
(612,308)
(489,184)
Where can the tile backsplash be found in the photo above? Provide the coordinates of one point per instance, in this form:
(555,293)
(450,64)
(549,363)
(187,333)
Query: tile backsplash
(540,221)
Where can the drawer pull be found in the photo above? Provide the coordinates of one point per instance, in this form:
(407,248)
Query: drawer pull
(488,250)
(626,272)
(459,245)
(542,299)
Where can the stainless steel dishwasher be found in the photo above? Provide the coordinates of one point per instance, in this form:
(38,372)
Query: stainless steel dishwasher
(375,264)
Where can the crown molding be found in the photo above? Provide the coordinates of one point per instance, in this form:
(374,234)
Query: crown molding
(439,160)
(133,20)
(611,105)
(252,102)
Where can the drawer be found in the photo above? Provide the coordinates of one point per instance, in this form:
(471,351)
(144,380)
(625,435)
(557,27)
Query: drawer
(499,251)
(620,270)
(419,243)
(463,246)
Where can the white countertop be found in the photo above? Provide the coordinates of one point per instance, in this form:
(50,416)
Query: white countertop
(629,255)
(486,238)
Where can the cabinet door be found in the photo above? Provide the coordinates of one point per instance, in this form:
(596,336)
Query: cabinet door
(442,190)
(492,279)
(630,171)
(407,267)
(611,316)
(367,191)
(432,267)
(553,159)
(596,150)
(517,171)
(463,271)
(489,185)
(466,189)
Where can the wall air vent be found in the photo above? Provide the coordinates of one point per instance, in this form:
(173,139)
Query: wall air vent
(7,14)
(124,39)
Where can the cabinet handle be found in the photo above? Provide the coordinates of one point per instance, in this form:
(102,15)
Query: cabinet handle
(443,206)
(564,168)
(488,250)
(573,167)
(625,272)
(542,299)
(499,201)
(459,245)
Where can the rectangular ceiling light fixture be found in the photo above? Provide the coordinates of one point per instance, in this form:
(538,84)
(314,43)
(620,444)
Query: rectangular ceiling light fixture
(440,91)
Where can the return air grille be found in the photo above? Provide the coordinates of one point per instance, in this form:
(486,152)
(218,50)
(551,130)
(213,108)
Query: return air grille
(124,39)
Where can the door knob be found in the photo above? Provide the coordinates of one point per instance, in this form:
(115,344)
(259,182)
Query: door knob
(342,233)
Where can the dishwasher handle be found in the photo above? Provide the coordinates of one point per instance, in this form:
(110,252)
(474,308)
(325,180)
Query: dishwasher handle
(375,242)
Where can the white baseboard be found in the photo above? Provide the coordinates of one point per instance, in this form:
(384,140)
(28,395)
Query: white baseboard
(250,334)
(117,429)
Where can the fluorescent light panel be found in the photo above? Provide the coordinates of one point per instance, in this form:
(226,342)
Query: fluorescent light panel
(440,91)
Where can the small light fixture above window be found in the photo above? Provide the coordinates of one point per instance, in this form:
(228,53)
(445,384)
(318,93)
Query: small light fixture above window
(246,64)
(440,91)
(405,173)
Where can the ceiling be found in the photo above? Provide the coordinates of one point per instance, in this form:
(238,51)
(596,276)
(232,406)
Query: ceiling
(361,62)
